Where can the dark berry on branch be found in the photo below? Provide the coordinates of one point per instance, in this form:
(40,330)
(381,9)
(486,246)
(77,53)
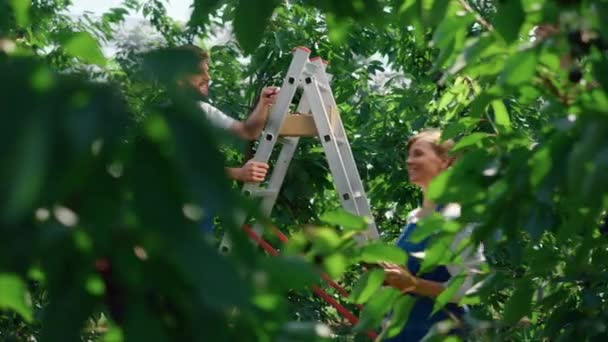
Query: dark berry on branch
(575,75)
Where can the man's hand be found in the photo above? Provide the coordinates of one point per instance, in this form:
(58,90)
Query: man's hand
(398,277)
(268,96)
(251,128)
(252,171)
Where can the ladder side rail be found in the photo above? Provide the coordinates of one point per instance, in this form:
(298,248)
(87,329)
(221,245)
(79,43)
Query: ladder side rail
(279,111)
(330,145)
(361,199)
(279,171)
(275,120)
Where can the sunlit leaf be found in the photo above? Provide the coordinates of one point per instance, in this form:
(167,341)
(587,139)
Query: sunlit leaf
(14,295)
(501,116)
(540,165)
(335,264)
(83,46)
(376,308)
(446,295)
(377,252)
(267,301)
(438,253)
(367,285)
(344,219)
(473,139)
(21,8)
(439,185)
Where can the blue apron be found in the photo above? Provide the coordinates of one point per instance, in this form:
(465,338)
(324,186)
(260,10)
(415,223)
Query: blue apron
(420,320)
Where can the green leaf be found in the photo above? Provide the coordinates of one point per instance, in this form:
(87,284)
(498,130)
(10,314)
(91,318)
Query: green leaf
(446,295)
(325,240)
(21,9)
(600,71)
(95,285)
(378,252)
(367,285)
(509,18)
(376,309)
(401,312)
(439,253)
(344,219)
(114,334)
(267,301)
(473,139)
(83,46)
(438,12)
(475,49)
(202,11)
(540,165)
(335,264)
(520,302)
(432,224)
(14,295)
(439,185)
(519,69)
(250,22)
(301,273)
(451,28)
(338,28)
(501,116)
(28,168)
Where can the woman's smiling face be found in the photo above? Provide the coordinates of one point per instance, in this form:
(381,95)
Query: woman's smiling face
(424,163)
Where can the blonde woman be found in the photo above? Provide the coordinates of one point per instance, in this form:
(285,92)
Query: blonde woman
(427,158)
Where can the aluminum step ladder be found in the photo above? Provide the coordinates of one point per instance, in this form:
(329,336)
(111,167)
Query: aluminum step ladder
(316,115)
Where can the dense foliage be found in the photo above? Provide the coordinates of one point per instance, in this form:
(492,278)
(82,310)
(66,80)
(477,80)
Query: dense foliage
(101,184)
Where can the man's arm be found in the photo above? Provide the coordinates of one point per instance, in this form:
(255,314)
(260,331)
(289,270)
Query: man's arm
(251,128)
(252,171)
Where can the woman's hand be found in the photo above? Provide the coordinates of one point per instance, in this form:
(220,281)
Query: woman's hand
(398,277)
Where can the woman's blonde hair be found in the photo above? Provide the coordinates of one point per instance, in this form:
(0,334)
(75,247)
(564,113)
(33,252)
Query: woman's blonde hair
(433,136)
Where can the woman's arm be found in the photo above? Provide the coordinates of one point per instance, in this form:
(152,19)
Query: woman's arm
(401,279)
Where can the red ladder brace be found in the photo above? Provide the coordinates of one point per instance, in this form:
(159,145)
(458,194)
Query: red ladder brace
(316,289)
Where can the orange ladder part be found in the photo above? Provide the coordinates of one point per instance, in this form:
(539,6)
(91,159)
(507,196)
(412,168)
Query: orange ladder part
(316,289)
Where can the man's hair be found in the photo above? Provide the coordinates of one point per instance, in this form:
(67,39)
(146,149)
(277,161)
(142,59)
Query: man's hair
(433,136)
(202,55)
(173,63)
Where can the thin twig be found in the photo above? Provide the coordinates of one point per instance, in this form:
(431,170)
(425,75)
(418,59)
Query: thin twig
(481,20)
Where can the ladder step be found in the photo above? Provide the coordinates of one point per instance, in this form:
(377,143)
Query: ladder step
(261,193)
(324,87)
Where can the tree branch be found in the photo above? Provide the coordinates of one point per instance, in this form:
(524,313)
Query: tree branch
(481,20)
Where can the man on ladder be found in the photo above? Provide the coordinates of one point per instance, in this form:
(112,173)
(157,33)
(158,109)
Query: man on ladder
(316,115)
(197,84)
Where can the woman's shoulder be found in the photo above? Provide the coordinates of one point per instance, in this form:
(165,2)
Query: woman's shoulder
(413,215)
(451,211)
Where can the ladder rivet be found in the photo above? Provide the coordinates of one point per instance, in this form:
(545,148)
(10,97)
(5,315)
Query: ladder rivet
(346,197)
(269,137)
(327,138)
(291,80)
(247,193)
(308,80)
